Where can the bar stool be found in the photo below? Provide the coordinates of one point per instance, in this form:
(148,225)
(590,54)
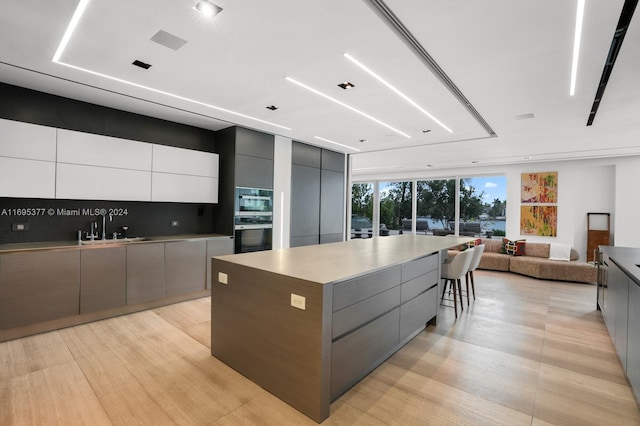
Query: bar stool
(453,272)
(475,261)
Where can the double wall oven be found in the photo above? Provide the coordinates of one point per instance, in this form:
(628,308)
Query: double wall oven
(253,219)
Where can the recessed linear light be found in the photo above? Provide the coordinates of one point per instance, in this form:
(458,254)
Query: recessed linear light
(396,91)
(336,143)
(576,47)
(319,93)
(346,85)
(207,8)
(67,36)
(70,29)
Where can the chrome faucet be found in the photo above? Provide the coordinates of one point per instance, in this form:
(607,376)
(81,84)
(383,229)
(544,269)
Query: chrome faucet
(104,226)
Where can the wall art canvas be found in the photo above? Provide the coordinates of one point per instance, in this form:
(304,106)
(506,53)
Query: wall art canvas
(539,187)
(539,220)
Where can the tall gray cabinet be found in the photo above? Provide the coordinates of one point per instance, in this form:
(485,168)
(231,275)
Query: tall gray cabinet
(317,195)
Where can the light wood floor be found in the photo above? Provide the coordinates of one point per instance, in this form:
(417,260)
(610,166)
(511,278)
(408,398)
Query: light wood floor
(527,352)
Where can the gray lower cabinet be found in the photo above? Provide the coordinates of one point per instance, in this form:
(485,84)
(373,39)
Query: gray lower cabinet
(145,273)
(38,286)
(103,279)
(184,263)
(375,314)
(633,344)
(218,246)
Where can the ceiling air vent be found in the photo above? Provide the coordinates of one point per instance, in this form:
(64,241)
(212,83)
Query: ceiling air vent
(141,64)
(168,40)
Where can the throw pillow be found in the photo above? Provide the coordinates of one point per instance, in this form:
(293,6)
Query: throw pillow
(471,244)
(513,248)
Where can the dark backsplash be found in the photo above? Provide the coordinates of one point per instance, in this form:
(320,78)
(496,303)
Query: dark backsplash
(60,220)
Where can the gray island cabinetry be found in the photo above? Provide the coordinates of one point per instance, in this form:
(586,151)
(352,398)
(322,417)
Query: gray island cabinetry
(307,323)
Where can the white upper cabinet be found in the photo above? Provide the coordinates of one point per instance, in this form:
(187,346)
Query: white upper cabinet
(103,151)
(29,141)
(80,182)
(22,178)
(184,189)
(181,161)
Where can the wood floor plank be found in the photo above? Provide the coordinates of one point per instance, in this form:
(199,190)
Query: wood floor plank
(33,353)
(186,314)
(58,395)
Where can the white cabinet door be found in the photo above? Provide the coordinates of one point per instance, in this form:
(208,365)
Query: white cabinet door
(27,178)
(168,159)
(29,141)
(98,150)
(102,183)
(183,188)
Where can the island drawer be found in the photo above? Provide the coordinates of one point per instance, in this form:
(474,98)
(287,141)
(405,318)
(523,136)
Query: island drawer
(355,355)
(414,287)
(415,314)
(358,314)
(417,267)
(352,291)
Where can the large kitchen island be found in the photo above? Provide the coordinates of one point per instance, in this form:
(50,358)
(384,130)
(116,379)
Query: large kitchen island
(308,323)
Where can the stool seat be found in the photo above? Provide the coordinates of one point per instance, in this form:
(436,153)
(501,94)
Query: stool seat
(452,272)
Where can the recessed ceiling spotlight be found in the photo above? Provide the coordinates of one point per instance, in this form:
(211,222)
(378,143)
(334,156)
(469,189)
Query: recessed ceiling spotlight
(363,140)
(528,157)
(273,107)
(207,8)
(346,85)
(141,64)
(475,162)
(426,131)
(429,166)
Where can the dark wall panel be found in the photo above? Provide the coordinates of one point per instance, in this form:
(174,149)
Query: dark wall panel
(60,220)
(30,106)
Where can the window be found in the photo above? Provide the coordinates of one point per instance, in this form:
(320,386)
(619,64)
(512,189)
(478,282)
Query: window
(395,207)
(361,210)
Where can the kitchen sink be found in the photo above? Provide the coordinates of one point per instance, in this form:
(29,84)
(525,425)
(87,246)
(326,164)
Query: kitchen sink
(109,242)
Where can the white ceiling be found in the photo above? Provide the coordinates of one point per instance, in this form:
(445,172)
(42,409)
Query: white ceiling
(508,58)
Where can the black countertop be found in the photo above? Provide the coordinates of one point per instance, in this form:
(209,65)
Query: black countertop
(627,258)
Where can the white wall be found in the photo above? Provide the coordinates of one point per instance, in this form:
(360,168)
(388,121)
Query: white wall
(627,201)
(602,186)
(281,192)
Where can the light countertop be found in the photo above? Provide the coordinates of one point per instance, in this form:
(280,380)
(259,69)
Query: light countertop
(62,245)
(626,258)
(327,263)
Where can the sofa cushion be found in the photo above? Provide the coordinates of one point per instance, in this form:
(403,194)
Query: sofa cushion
(492,246)
(543,268)
(494,261)
(537,250)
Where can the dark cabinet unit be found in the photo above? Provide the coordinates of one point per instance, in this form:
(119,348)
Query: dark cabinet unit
(246,160)
(317,195)
(103,279)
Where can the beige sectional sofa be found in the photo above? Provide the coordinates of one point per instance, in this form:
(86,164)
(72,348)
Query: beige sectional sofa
(536,263)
